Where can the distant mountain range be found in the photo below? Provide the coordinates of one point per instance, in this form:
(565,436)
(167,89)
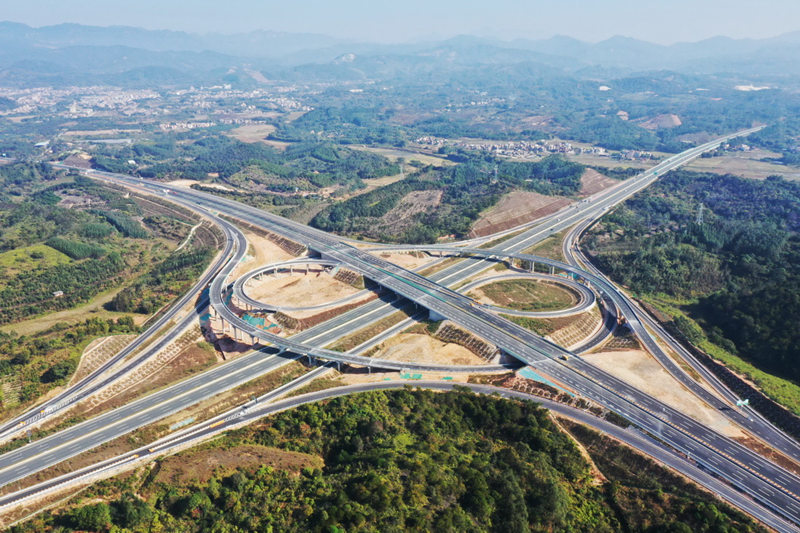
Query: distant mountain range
(77,54)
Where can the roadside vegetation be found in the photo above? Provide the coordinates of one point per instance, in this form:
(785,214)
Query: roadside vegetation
(64,242)
(323,183)
(457,196)
(404,460)
(730,278)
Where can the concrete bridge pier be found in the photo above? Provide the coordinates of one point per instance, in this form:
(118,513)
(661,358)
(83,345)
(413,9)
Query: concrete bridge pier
(434,316)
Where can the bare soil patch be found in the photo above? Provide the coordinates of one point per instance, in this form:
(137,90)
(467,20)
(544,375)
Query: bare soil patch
(640,370)
(413,203)
(408,261)
(299,289)
(515,208)
(425,349)
(375,183)
(79,160)
(745,164)
(261,252)
(201,465)
(665,121)
(252,133)
(593,182)
(188,184)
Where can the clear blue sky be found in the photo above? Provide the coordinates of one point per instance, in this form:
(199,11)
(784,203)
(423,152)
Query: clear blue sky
(663,21)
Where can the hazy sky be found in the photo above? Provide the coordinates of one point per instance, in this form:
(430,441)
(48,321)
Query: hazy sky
(664,21)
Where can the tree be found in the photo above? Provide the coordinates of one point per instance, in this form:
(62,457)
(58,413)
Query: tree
(129,511)
(95,517)
(58,371)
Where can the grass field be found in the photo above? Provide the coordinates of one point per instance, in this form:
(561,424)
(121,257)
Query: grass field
(252,132)
(394,155)
(538,326)
(91,309)
(30,258)
(527,295)
(550,247)
(746,165)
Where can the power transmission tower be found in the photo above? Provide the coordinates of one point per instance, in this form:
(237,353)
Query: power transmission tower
(699,219)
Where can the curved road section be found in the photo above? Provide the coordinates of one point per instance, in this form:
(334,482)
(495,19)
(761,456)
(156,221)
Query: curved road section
(254,411)
(761,479)
(586,298)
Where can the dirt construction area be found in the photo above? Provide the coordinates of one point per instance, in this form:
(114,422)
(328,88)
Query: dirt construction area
(408,261)
(425,349)
(261,251)
(593,182)
(188,184)
(299,289)
(515,208)
(639,369)
(201,465)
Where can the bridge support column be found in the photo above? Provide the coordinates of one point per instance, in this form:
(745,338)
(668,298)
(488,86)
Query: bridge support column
(532,266)
(235,334)
(434,316)
(552,271)
(339,366)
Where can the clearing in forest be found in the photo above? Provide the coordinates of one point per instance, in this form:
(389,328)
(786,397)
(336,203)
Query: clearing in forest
(515,208)
(593,182)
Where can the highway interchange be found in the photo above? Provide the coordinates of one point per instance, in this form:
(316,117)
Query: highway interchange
(766,482)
